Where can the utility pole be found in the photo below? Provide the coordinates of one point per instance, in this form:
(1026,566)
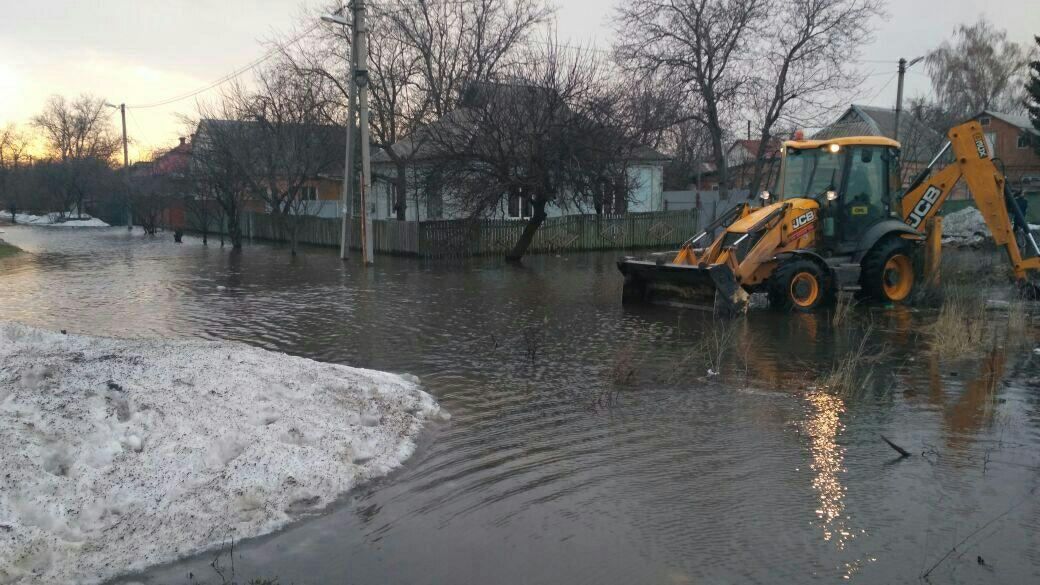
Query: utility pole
(126,171)
(347,203)
(903,66)
(361,40)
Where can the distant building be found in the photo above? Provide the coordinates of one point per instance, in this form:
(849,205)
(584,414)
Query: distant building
(428,196)
(172,168)
(919,142)
(322,192)
(1013,139)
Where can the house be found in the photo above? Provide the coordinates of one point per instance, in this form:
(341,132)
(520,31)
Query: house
(919,142)
(171,167)
(320,193)
(428,195)
(1013,139)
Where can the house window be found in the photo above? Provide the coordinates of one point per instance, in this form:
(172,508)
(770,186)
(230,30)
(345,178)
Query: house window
(984,120)
(1023,140)
(434,205)
(309,193)
(519,204)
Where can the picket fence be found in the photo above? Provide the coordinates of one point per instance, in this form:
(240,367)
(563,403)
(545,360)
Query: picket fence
(489,237)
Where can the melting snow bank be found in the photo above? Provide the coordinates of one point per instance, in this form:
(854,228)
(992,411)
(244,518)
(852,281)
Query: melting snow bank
(120,454)
(56,220)
(964,227)
(967,227)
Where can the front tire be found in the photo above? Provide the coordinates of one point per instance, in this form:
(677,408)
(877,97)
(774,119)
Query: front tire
(800,285)
(887,272)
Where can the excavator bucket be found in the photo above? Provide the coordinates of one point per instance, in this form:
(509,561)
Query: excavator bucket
(702,287)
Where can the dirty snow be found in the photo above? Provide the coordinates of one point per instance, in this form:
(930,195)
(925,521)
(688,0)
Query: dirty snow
(967,227)
(56,220)
(120,454)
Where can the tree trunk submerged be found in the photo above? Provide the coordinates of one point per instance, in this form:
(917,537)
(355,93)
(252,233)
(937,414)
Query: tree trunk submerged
(536,221)
(400,190)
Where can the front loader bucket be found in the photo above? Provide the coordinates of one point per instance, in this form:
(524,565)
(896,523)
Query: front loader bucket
(711,287)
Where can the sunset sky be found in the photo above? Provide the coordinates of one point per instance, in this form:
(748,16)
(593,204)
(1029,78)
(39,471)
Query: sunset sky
(143,52)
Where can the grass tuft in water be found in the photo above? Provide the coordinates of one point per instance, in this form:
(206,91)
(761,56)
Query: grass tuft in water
(961,324)
(853,372)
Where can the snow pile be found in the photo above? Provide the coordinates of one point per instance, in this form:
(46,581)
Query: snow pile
(85,222)
(56,219)
(964,227)
(120,454)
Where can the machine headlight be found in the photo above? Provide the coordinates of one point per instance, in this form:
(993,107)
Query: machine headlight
(833,147)
(832,195)
(764,195)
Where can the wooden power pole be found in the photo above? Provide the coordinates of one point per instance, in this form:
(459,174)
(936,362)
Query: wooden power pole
(361,77)
(348,165)
(126,172)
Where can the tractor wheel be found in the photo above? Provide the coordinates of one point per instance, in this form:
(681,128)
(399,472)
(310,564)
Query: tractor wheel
(887,272)
(800,285)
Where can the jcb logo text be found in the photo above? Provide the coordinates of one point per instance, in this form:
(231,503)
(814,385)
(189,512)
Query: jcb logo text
(917,215)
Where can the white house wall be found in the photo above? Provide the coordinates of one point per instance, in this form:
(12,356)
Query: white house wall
(647,195)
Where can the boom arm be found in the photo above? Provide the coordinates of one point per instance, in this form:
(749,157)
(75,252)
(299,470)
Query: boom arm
(974,162)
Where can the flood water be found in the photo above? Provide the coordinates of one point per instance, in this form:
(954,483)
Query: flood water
(588,443)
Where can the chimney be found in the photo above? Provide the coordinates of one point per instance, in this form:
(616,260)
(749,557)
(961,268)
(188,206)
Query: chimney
(182,140)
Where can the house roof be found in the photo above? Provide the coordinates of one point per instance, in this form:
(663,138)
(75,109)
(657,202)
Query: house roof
(1020,121)
(752,146)
(332,137)
(920,142)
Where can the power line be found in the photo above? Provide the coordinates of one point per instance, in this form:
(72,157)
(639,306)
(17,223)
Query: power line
(883,87)
(252,65)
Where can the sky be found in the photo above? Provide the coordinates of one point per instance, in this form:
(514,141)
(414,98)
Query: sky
(140,52)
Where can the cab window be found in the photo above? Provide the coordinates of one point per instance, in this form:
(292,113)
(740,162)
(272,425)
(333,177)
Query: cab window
(811,172)
(867,190)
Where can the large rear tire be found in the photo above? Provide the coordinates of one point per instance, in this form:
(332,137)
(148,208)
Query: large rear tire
(887,272)
(800,285)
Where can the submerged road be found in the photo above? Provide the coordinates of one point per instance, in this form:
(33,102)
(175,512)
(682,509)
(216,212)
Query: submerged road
(587,442)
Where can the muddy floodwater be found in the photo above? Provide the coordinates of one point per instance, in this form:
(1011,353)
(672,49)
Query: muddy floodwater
(590,443)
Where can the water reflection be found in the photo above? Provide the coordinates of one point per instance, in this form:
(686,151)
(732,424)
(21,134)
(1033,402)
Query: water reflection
(750,476)
(823,428)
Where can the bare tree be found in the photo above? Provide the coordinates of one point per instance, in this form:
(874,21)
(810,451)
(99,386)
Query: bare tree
(703,47)
(14,172)
(690,146)
(805,59)
(421,57)
(79,136)
(218,172)
(544,138)
(978,69)
(1032,88)
(151,196)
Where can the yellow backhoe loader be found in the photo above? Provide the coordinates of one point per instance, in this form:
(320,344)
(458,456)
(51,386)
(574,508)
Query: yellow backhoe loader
(838,220)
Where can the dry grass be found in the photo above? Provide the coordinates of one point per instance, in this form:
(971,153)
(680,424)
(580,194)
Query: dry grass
(1018,318)
(717,343)
(710,353)
(8,249)
(623,372)
(960,326)
(853,372)
(842,309)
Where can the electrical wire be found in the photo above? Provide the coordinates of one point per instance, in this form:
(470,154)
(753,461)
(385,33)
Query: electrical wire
(224,79)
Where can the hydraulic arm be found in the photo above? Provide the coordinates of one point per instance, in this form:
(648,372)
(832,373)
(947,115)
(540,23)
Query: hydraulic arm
(973,162)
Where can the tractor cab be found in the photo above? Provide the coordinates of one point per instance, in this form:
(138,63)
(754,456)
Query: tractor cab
(854,180)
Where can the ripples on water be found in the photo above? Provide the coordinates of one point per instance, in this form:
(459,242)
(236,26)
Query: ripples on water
(549,471)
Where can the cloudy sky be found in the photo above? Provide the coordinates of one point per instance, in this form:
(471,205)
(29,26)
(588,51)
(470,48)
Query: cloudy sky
(140,52)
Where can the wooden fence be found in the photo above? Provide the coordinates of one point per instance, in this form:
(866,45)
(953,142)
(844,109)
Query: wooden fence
(462,238)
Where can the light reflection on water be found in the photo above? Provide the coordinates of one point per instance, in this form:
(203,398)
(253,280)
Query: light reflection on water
(752,476)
